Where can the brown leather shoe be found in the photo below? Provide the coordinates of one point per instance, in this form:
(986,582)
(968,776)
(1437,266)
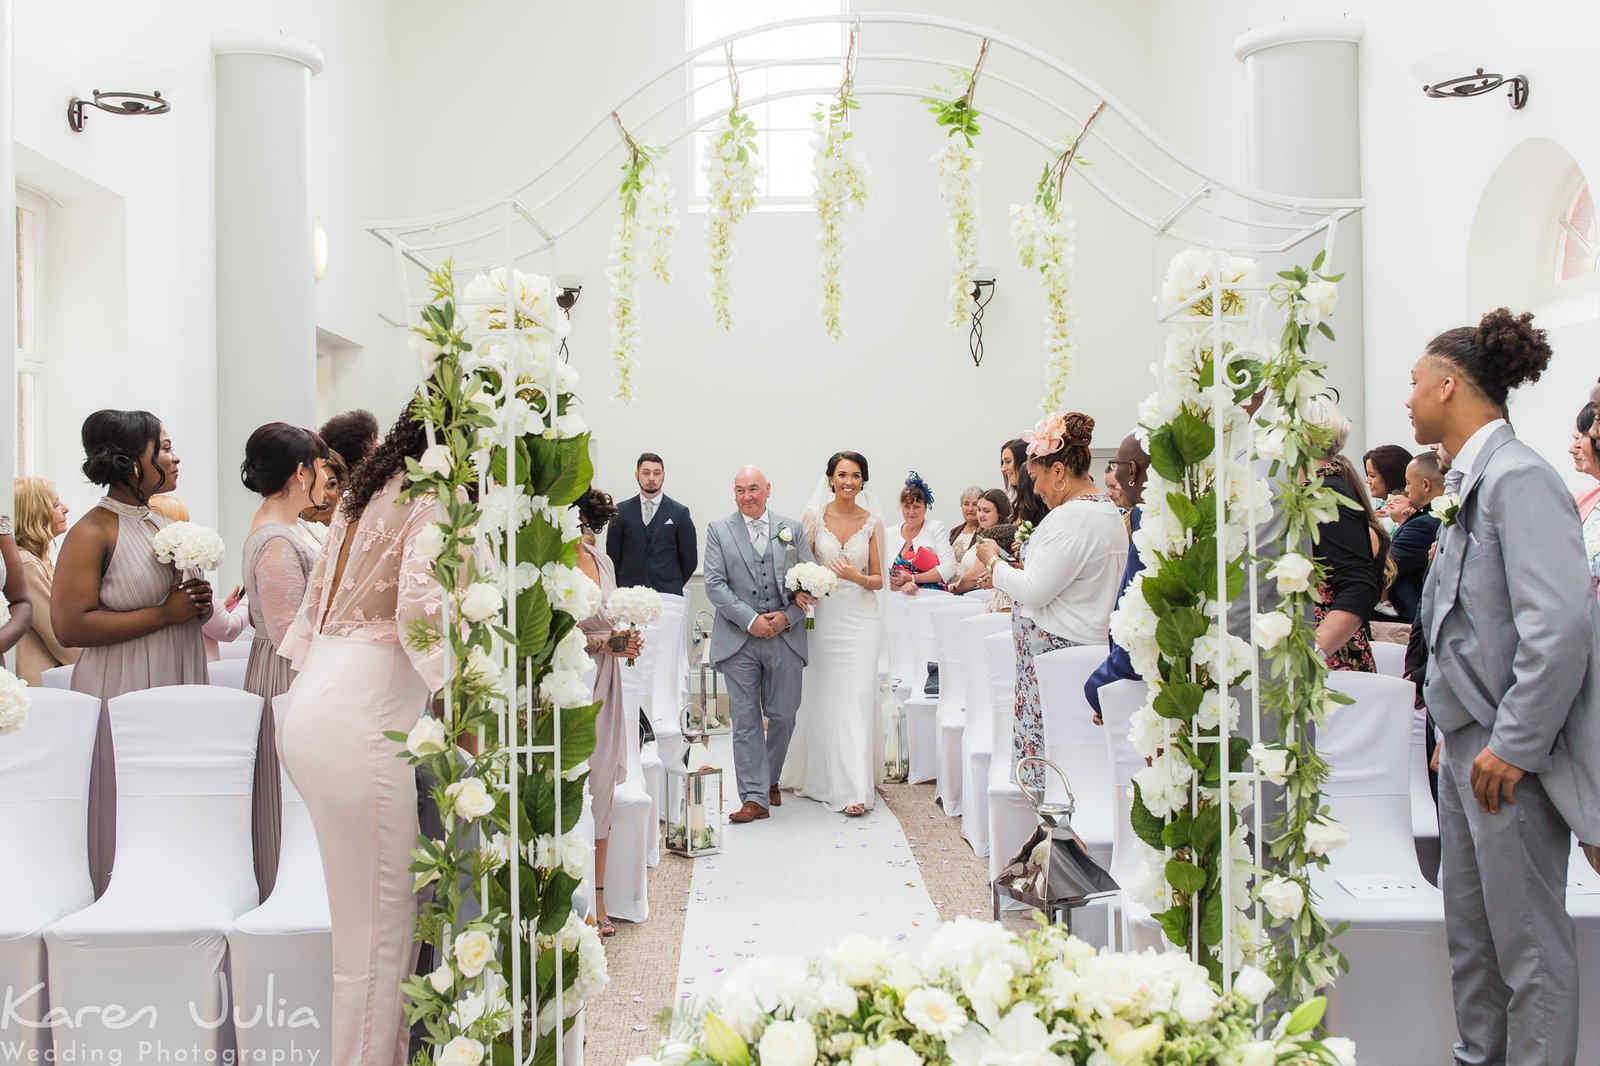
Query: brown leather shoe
(749,813)
(774,796)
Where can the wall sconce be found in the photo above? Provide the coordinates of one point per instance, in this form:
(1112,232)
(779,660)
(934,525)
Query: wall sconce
(982,293)
(1442,77)
(116,103)
(319,249)
(569,296)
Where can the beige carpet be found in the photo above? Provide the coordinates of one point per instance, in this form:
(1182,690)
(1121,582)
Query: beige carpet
(643,959)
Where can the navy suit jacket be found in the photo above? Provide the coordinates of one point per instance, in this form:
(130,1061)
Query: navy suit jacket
(661,555)
(1410,554)
(1117,667)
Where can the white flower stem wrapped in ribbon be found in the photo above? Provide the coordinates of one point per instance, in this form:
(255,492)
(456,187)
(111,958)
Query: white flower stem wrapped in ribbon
(188,546)
(814,579)
(634,608)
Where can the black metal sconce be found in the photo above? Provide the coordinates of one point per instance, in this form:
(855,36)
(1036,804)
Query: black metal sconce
(982,293)
(568,297)
(116,104)
(1478,83)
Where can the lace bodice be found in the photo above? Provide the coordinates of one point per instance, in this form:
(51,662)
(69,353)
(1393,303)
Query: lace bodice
(857,548)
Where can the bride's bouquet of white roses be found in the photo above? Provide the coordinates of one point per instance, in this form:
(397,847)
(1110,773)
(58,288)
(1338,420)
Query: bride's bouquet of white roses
(634,607)
(812,578)
(188,546)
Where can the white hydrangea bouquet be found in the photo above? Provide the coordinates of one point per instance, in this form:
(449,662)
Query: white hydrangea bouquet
(14,701)
(634,607)
(188,546)
(980,995)
(813,578)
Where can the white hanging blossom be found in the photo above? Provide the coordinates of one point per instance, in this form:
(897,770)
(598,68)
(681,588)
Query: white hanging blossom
(731,172)
(841,173)
(647,215)
(658,217)
(958,162)
(1042,236)
(623,273)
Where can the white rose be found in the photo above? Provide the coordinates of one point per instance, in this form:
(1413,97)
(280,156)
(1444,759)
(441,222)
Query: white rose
(1322,296)
(786,535)
(1343,1049)
(427,737)
(788,1043)
(859,960)
(469,798)
(576,851)
(935,1012)
(436,460)
(570,653)
(566,688)
(429,542)
(1253,985)
(442,979)
(1271,763)
(1324,835)
(469,1009)
(481,601)
(474,950)
(480,666)
(461,1051)
(1271,628)
(1285,899)
(895,1053)
(1293,573)
(1259,1053)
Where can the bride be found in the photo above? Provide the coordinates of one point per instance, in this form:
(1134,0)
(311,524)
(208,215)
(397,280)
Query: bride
(833,757)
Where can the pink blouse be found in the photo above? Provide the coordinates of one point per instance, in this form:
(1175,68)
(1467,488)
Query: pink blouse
(386,587)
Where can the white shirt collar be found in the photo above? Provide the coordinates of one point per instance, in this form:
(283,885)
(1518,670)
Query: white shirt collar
(1468,456)
(748,521)
(653,499)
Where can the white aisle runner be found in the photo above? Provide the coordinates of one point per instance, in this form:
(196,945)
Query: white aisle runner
(793,884)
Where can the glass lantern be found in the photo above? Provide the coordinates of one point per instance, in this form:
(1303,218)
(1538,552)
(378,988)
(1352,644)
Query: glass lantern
(693,798)
(1053,874)
(709,716)
(896,739)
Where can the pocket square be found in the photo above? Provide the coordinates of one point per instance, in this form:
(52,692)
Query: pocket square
(668,522)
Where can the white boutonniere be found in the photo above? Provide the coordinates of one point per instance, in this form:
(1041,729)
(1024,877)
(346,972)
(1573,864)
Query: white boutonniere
(1024,531)
(1446,507)
(785,534)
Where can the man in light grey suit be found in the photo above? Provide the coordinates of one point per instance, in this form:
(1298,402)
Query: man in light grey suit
(757,640)
(1512,629)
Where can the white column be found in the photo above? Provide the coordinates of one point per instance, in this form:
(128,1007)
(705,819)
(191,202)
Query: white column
(1304,139)
(8,261)
(266,295)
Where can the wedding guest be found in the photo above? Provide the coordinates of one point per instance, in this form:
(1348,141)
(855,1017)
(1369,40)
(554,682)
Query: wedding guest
(925,559)
(994,523)
(1027,506)
(962,536)
(1585,452)
(1412,546)
(137,620)
(1071,565)
(652,541)
(1113,490)
(1130,470)
(14,586)
(1385,468)
(41,518)
(313,522)
(1512,700)
(224,626)
(606,644)
(283,464)
(360,674)
(1013,460)
(353,435)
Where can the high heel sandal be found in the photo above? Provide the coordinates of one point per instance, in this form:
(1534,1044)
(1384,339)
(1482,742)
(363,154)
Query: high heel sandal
(605,928)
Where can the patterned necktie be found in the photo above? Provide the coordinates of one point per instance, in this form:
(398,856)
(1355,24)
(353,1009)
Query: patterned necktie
(758,536)
(649,511)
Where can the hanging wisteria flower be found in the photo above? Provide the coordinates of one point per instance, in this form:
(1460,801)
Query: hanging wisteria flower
(731,173)
(658,217)
(841,183)
(623,274)
(647,215)
(958,164)
(1042,235)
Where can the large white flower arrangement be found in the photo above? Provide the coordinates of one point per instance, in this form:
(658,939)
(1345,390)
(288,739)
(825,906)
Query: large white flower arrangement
(731,172)
(841,176)
(977,996)
(647,218)
(500,406)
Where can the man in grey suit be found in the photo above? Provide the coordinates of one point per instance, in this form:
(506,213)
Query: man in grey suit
(1512,627)
(757,640)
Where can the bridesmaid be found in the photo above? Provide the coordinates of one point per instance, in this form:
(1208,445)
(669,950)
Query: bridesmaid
(138,624)
(360,675)
(283,464)
(41,518)
(605,645)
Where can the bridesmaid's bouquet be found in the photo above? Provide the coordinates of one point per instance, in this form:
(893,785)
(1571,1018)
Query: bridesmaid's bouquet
(813,578)
(634,607)
(188,546)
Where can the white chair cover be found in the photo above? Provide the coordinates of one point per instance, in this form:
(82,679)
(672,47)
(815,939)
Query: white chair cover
(978,734)
(900,654)
(57,677)
(44,812)
(1118,701)
(1583,903)
(655,787)
(1011,817)
(227,673)
(155,943)
(1390,658)
(1073,742)
(236,649)
(280,955)
(1424,812)
(1397,993)
(633,817)
(951,713)
(922,730)
(668,696)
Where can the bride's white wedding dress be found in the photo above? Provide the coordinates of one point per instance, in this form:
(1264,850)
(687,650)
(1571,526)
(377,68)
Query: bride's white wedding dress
(835,755)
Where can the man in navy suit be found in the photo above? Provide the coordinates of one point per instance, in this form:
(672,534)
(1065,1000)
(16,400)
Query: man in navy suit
(651,541)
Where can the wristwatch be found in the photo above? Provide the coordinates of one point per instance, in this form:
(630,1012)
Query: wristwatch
(5,525)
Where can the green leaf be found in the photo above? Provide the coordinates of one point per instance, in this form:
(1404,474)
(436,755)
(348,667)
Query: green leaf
(1206,831)
(1175,923)
(1307,1016)
(1186,877)
(1146,826)
(1178,701)
(1211,918)
(1184,510)
(577,734)
(562,470)
(539,542)
(1322,328)
(1179,629)
(1316,264)
(1171,586)
(1176,834)
(1166,457)
(1193,437)
(533,620)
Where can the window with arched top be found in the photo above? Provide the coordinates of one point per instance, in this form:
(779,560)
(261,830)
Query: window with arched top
(1579,240)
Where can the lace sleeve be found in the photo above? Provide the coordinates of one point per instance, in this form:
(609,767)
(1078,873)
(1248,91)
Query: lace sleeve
(297,639)
(420,597)
(280,584)
(809,522)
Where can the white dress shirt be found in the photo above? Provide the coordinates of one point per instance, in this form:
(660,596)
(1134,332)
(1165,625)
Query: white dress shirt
(648,505)
(1468,456)
(1074,567)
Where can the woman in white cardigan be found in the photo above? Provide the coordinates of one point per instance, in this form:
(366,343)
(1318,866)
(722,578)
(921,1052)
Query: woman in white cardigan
(1073,563)
(926,559)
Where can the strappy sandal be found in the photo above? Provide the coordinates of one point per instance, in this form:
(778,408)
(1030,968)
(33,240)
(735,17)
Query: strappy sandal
(605,928)
(855,810)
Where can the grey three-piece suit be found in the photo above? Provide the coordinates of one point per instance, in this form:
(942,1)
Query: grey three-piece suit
(762,675)
(1514,638)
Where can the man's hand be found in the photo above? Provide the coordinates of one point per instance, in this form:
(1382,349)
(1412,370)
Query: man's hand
(805,600)
(1493,780)
(780,622)
(762,627)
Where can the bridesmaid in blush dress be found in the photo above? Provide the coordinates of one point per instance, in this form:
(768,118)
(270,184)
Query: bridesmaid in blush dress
(284,465)
(358,677)
(136,618)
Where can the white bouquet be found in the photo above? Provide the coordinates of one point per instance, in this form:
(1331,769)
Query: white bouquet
(634,607)
(813,578)
(189,547)
(13,702)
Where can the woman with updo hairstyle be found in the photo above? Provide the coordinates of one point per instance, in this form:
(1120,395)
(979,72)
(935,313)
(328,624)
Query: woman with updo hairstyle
(314,520)
(136,618)
(1074,559)
(1511,686)
(607,646)
(283,464)
(926,558)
